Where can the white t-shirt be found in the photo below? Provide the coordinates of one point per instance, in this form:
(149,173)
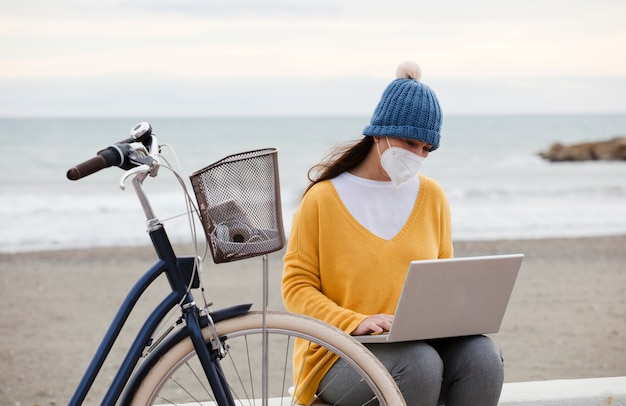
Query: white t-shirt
(378,206)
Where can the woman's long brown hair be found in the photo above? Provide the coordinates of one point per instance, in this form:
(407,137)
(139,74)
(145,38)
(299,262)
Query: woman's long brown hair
(341,158)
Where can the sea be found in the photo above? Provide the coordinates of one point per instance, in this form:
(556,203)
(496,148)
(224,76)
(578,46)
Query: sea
(497,184)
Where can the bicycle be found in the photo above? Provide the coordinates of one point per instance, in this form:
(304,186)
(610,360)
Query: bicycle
(219,357)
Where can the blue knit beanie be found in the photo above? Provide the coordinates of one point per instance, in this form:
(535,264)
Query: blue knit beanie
(407,109)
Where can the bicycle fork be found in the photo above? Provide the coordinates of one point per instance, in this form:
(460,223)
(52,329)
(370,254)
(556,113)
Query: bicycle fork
(208,359)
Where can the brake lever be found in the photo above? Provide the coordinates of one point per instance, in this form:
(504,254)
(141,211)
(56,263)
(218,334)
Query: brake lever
(144,156)
(141,170)
(142,159)
(148,154)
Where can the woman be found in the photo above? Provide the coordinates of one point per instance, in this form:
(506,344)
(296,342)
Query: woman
(365,215)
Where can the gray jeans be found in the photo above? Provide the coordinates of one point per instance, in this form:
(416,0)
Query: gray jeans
(451,371)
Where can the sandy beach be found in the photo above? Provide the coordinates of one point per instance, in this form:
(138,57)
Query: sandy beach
(566,318)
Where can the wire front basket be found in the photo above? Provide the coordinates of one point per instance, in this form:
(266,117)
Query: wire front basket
(239,202)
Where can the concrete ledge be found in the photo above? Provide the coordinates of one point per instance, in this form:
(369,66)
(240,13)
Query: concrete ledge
(570,392)
(566,392)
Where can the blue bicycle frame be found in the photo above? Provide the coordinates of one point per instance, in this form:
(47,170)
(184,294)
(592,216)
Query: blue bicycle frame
(181,275)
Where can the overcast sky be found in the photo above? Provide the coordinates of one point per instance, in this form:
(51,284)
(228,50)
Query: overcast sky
(254,57)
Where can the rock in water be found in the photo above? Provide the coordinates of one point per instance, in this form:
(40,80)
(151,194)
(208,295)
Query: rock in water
(611,150)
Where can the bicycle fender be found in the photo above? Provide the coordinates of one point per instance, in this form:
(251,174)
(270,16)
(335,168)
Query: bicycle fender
(227,313)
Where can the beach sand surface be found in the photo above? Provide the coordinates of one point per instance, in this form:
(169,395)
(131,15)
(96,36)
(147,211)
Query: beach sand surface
(566,317)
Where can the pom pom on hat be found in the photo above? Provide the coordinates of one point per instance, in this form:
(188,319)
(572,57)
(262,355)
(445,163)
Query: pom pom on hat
(409,70)
(407,109)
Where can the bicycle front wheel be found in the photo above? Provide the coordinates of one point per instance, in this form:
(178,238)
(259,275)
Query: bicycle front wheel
(172,373)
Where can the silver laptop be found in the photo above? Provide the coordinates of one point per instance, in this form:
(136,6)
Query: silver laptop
(452,297)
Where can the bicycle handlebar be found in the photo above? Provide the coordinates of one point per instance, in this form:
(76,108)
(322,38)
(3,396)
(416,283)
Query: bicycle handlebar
(119,154)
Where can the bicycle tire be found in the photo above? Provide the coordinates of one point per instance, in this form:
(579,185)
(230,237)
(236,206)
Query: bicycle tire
(169,367)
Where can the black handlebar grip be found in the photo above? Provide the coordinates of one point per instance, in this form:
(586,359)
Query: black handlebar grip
(104,159)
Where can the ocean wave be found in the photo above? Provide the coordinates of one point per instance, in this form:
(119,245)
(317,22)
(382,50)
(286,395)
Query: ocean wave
(497,185)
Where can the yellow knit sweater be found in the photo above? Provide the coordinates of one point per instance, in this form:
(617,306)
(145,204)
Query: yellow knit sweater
(337,271)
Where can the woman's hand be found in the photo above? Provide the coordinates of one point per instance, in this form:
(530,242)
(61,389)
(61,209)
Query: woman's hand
(376,324)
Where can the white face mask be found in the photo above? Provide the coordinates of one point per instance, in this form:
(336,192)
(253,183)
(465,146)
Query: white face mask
(400,164)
